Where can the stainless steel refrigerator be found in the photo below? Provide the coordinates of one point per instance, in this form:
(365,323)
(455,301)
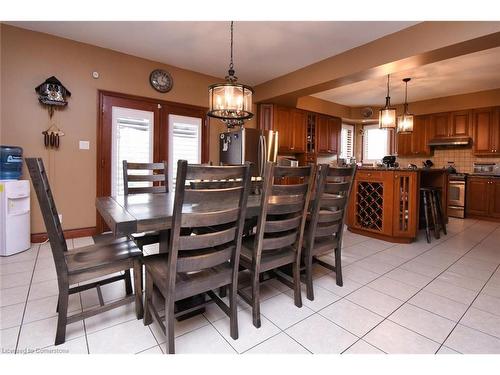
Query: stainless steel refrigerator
(253,145)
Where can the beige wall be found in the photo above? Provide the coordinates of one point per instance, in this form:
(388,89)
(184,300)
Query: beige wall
(310,103)
(27,59)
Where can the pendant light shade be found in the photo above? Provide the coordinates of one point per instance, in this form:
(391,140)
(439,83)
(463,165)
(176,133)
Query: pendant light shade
(405,121)
(230,102)
(387,115)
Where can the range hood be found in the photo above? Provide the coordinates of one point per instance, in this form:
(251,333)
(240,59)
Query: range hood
(450,141)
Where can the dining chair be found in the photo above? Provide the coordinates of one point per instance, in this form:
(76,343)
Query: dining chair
(78,269)
(325,224)
(156,176)
(199,262)
(279,232)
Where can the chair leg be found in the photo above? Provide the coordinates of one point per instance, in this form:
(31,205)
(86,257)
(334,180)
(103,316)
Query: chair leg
(139,310)
(440,213)
(434,215)
(169,324)
(256,299)
(309,278)
(233,308)
(426,213)
(62,316)
(128,283)
(296,284)
(148,300)
(338,267)
(222,291)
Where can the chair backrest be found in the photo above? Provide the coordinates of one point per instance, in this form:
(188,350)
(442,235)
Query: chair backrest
(283,209)
(49,212)
(333,188)
(157,177)
(221,209)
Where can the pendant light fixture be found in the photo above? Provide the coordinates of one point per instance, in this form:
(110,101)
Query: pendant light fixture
(387,115)
(405,121)
(230,102)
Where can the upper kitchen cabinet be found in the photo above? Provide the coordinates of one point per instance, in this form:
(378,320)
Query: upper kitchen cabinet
(451,124)
(327,132)
(290,123)
(417,142)
(486,132)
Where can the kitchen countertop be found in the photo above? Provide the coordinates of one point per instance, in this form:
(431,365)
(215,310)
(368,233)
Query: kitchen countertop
(432,170)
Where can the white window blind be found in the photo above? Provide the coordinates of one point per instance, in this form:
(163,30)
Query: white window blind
(184,143)
(375,143)
(132,140)
(347,141)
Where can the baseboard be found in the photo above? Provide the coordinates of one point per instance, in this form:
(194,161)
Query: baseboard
(69,233)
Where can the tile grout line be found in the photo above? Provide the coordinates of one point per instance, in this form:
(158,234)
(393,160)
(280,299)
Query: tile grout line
(26,301)
(386,318)
(468,308)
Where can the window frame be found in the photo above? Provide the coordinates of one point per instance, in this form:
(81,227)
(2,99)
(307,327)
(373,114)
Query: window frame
(353,141)
(363,151)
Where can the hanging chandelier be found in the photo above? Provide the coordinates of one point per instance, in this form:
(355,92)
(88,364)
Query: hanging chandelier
(405,121)
(387,115)
(230,102)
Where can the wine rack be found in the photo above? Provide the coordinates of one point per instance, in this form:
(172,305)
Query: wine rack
(370,205)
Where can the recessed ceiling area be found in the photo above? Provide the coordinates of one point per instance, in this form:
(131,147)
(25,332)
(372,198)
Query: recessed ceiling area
(474,72)
(262,50)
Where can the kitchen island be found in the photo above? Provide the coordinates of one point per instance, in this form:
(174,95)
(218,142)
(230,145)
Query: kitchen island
(385,202)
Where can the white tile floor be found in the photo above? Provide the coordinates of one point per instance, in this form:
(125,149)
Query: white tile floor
(415,298)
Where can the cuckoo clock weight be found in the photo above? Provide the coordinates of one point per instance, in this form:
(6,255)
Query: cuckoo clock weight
(52,94)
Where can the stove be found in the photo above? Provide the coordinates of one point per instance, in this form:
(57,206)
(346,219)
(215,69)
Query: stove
(456,195)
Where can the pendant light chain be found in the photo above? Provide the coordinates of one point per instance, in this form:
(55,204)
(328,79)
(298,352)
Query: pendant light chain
(231,66)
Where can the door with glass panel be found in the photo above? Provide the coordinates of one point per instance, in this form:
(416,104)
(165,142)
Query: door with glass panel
(143,130)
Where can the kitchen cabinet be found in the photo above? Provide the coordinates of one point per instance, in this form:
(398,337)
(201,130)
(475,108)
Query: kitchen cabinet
(483,197)
(327,134)
(416,142)
(451,124)
(486,131)
(290,123)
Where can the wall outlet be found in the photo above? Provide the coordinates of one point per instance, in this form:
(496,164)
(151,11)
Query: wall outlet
(60,218)
(84,145)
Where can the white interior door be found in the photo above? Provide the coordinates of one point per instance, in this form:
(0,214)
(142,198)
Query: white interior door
(132,140)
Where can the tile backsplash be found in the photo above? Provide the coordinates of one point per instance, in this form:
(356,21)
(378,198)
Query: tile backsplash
(462,157)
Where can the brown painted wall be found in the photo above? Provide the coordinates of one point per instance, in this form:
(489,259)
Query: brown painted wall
(310,103)
(27,59)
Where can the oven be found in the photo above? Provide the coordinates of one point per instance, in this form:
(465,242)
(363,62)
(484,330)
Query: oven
(456,196)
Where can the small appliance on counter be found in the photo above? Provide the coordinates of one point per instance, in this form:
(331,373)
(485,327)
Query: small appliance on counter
(389,161)
(486,168)
(428,164)
(287,161)
(412,166)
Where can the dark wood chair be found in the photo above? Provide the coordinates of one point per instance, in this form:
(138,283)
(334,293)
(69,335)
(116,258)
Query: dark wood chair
(86,263)
(279,234)
(325,224)
(159,184)
(200,263)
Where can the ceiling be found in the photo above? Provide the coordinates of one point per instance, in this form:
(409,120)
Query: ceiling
(262,50)
(465,74)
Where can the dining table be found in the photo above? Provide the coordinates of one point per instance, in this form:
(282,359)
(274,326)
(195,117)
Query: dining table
(137,213)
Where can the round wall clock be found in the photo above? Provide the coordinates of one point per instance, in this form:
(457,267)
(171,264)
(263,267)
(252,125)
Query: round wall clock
(161,80)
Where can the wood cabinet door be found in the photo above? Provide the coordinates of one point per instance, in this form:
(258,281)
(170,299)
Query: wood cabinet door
(334,129)
(494,197)
(322,143)
(460,124)
(440,125)
(483,128)
(495,143)
(405,209)
(266,116)
(404,142)
(299,130)
(477,196)
(421,135)
(283,125)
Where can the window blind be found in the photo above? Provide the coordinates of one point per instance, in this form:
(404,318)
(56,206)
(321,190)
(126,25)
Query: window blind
(347,141)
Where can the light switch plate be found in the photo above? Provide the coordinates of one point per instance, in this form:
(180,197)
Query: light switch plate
(84,145)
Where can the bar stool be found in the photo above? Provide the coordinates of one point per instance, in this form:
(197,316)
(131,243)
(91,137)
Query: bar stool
(431,199)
